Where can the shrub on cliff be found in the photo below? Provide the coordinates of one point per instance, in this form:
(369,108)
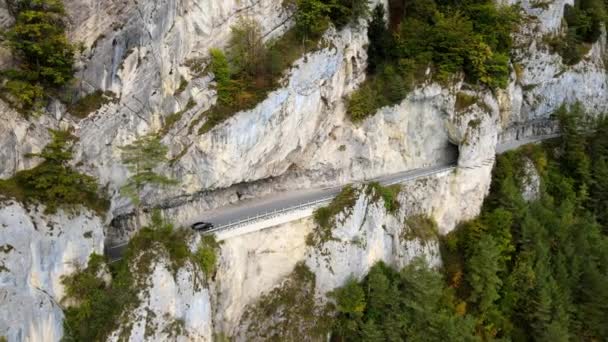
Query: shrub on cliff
(582,26)
(251,68)
(96,305)
(54,182)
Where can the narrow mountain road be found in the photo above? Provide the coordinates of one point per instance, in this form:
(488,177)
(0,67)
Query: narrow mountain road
(257,209)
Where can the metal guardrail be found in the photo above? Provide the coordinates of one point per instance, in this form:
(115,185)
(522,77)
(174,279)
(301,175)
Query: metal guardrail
(277,212)
(268,215)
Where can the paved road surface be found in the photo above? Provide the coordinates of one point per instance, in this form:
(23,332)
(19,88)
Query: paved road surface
(502,148)
(250,208)
(278,201)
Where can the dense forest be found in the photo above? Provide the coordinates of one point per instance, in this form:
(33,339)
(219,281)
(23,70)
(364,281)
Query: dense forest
(523,270)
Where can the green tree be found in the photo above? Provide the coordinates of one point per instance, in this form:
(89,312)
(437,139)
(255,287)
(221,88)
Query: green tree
(142,157)
(482,273)
(54,182)
(221,71)
(350,299)
(343,12)
(379,39)
(599,186)
(44,55)
(311,18)
(394,86)
(378,293)
(371,332)
(247,51)
(350,302)
(574,160)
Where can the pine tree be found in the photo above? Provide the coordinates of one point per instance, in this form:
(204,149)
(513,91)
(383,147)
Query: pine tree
(482,273)
(350,299)
(370,332)
(310,18)
(574,160)
(378,295)
(141,157)
(246,52)
(379,39)
(44,55)
(221,70)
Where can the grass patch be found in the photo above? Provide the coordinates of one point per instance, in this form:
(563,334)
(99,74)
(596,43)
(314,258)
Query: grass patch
(183,84)
(464,101)
(420,227)
(289,312)
(377,91)
(325,217)
(196,65)
(91,103)
(174,118)
(206,255)
(568,47)
(387,193)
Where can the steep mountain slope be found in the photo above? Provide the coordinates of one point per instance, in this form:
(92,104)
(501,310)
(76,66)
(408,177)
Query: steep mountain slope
(151,55)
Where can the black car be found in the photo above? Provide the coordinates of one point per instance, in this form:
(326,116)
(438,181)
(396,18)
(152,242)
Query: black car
(202,226)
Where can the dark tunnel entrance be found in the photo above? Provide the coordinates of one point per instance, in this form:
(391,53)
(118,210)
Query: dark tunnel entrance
(452,153)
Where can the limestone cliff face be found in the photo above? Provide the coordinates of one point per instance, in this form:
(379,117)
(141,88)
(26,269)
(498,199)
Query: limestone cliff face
(253,264)
(543,82)
(36,251)
(19,137)
(364,234)
(298,137)
(174,306)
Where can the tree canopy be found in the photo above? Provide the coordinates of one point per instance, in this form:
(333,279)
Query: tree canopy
(42,51)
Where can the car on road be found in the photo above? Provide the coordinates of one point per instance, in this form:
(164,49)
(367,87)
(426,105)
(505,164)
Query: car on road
(202,225)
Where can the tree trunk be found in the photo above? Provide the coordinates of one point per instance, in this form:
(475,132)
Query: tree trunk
(137,215)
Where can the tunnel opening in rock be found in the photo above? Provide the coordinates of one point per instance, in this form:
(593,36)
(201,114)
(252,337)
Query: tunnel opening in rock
(452,152)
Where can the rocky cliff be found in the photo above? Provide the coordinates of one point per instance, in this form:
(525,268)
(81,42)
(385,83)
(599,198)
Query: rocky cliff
(37,250)
(298,137)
